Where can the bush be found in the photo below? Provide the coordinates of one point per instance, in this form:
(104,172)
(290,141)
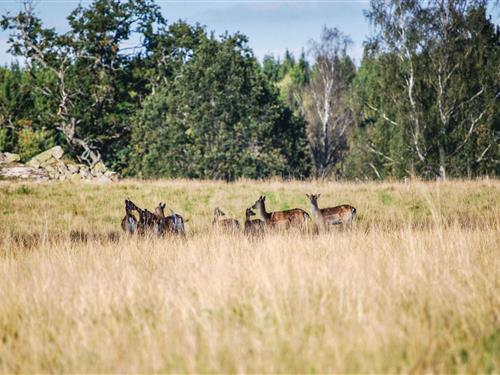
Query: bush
(4,140)
(32,142)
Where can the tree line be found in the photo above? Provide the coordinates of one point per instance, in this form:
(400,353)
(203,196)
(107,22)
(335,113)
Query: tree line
(156,99)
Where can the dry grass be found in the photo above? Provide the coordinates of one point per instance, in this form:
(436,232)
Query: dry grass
(414,287)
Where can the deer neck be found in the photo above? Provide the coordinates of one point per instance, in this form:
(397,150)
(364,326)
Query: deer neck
(262,210)
(315,210)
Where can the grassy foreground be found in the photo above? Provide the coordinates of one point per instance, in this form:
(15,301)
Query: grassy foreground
(413,287)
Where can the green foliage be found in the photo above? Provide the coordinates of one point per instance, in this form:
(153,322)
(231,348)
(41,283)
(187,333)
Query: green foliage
(426,92)
(83,78)
(183,103)
(32,142)
(4,140)
(218,118)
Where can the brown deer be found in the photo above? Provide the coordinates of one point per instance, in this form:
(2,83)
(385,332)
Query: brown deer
(129,222)
(295,216)
(252,227)
(174,223)
(148,221)
(220,221)
(343,214)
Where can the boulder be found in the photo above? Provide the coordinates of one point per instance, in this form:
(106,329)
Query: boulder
(85,173)
(99,168)
(23,172)
(61,167)
(8,158)
(111,175)
(51,161)
(53,173)
(73,168)
(55,152)
(33,163)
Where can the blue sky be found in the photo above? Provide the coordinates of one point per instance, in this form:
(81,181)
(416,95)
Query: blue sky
(271,25)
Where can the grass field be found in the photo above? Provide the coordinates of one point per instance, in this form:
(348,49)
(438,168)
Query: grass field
(414,287)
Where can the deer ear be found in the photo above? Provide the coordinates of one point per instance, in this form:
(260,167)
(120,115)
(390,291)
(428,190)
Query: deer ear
(308,196)
(318,195)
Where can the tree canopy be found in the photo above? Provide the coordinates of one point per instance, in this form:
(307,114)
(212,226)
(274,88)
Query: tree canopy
(158,99)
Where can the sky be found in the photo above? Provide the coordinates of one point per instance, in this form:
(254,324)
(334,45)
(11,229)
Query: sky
(271,25)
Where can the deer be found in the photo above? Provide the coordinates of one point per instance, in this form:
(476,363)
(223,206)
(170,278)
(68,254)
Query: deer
(220,221)
(129,222)
(343,214)
(174,222)
(148,221)
(295,216)
(252,227)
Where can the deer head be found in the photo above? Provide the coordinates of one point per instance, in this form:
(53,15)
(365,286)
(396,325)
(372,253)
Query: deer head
(313,198)
(259,203)
(130,206)
(249,213)
(159,210)
(218,213)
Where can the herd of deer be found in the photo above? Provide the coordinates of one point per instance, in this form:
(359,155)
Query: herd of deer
(157,223)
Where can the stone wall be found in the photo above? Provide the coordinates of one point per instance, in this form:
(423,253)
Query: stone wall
(50,165)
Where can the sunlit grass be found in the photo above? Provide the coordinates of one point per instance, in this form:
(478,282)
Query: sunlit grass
(413,287)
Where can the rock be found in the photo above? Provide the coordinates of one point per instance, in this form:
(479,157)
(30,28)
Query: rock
(8,158)
(55,152)
(24,172)
(73,168)
(75,177)
(61,167)
(51,161)
(85,173)
(99,168)
(33,163)
(112,175)
(53,173)
(50,165)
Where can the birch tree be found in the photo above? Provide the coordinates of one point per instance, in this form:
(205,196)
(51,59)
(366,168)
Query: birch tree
(447,69)
(327,112)
(89,68)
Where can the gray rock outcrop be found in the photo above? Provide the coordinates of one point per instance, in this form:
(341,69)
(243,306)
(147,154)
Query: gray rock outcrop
(50,165)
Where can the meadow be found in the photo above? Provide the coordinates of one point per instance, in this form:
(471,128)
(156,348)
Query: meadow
(413,287)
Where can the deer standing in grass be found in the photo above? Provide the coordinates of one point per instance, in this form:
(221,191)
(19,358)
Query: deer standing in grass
(148,221)
(295,216)
(173,223)
(222,222)
(129,222)
(252,227)
(343,214)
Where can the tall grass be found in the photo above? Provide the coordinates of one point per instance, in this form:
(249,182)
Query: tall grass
(413,287)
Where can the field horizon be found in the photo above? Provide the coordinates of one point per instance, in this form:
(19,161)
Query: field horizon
(413,287)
